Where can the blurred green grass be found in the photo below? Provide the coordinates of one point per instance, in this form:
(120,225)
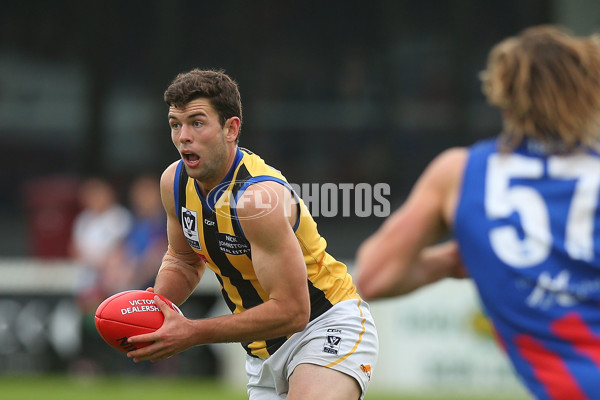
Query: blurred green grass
(132,387)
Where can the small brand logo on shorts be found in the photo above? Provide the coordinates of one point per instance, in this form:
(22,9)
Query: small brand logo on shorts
(332,344)
(366,369)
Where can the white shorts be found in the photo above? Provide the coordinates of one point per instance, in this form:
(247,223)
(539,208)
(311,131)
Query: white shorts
(344,338)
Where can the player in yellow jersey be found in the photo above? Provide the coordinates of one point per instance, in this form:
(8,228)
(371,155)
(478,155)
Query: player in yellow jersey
(306,331)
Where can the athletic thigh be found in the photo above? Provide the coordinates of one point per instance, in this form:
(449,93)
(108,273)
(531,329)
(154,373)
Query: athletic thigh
(341,346)
(310,381)
(333,356)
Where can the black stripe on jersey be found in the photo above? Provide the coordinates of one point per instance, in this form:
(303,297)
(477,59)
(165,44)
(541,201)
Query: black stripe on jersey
(247,292)
(210,240)
(318,302)
(274,344)
(240,178)
(271,345)
(242,175)
(228,301)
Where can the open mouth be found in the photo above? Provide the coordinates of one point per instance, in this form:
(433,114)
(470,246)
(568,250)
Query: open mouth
(191,159)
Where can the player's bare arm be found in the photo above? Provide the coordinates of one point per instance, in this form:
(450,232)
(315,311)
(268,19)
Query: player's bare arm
(181,268)
(277,259)
(401,256)
(280,268)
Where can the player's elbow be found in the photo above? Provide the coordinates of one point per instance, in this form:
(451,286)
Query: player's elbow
(298,318)
(298,325)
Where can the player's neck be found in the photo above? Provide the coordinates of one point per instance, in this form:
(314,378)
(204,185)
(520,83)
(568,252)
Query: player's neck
(206,186)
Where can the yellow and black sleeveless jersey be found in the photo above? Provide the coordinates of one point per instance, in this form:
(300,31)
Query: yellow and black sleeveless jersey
(213,230)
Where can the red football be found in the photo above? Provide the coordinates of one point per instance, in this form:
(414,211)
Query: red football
(127,314)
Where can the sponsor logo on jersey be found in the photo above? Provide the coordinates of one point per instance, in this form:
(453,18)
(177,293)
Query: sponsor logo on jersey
(231,244)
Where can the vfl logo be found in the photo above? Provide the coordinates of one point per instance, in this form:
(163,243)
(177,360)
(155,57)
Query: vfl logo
(332,344)
(189,224)
(189,220)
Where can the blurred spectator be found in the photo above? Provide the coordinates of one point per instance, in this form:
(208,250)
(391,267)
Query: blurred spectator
(98,229)
(133,264)
(51,207)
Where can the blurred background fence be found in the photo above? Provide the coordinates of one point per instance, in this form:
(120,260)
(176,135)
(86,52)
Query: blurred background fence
(333,91)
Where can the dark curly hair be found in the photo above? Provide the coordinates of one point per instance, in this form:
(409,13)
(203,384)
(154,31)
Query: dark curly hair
(214,85)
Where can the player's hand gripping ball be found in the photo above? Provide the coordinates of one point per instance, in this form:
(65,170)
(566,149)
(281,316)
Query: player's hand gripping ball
(127,314)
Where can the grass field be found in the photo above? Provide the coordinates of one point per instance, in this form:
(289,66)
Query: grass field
(143,388)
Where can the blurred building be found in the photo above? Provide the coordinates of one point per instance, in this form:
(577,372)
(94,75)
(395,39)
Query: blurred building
(342,91)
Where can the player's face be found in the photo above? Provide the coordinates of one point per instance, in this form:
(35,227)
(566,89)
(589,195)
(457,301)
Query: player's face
(201,141)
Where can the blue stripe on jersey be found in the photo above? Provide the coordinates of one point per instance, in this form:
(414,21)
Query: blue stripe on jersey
(176,189)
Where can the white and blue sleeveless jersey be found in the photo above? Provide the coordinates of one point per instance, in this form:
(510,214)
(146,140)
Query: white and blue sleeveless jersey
(528,228)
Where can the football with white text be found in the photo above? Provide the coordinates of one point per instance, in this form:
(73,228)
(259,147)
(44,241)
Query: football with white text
(129,313)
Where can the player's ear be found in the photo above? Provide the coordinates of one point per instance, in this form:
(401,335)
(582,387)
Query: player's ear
(232,129)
